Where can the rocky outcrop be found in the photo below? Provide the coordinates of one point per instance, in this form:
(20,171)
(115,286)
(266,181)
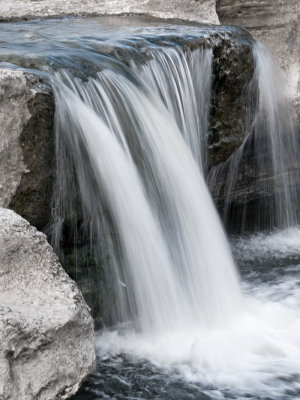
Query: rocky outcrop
(274,22)
(192,10)
(248,196)
(26,145)
(46,331)
(232,71)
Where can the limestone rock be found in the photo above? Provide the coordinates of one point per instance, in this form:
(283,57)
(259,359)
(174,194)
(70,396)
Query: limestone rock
(192,10)
(46,331)
(26,145)
(276,23)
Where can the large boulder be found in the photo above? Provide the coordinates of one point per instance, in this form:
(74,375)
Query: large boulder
(46,331)
(192,10)
(26,145)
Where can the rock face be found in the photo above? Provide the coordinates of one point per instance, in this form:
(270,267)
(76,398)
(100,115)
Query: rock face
(192,10)
(274,22)
(251,202)
(26,145)
(232,71)
(46,331)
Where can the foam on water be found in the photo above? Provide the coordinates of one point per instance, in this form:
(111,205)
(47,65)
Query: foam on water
(257,356)
(281,243)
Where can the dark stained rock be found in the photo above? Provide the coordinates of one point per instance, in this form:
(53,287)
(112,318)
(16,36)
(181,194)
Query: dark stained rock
(27,145)
(233,68)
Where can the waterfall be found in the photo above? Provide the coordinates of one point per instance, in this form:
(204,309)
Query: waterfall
(143,195)
(266,162)
(276,121)
(183,82)
(143,112)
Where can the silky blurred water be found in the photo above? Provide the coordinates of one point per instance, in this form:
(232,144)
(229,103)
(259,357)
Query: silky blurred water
(257,357)
(145,201)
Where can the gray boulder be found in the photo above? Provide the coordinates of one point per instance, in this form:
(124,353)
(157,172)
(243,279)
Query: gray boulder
(46,331)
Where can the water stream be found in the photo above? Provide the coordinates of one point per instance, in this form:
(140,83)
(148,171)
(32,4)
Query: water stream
(132,122)
(270,147)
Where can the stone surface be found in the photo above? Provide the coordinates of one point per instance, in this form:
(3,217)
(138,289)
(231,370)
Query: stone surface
(274,22)
(233,67)
(192,10)
(251,202)
(46,331)
(26,145)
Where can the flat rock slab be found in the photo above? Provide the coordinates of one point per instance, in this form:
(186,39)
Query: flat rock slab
(192,10)
(46,331)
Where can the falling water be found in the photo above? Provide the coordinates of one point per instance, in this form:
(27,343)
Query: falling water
(183,82)
(266,162)
(275,120)
(158,201)
(132,117)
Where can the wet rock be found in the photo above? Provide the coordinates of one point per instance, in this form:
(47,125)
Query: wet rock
(248,193)
(26,145)
(46,331)
(274,22)
(233,67)
(251,202)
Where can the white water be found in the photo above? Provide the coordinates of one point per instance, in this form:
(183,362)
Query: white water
(270,149)
(278,245)
(257,356)
(147,259)
(183,82)
(275,119)
(178,269)
(175,275)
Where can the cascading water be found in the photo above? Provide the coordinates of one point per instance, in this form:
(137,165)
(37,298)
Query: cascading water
(269,151)
(173,277)
(275,120)
(183,82)
(132,118)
